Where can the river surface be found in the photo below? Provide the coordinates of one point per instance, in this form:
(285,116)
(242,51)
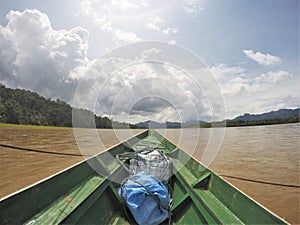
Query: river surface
(264,153)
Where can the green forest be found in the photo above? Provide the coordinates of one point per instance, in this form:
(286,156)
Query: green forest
(28,108)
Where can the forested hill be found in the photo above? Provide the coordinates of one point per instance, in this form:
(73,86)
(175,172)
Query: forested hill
(28,108)
(279,114)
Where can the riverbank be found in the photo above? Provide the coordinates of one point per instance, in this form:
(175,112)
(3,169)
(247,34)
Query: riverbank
(207,125)
(251,123)
(21,126)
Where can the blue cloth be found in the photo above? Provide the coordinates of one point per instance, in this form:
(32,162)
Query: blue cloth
(143,206)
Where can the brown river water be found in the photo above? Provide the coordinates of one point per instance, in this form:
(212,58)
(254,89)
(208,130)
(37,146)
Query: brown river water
(264,153)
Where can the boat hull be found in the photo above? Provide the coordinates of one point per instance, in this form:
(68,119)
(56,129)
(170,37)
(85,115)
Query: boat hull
(86,193)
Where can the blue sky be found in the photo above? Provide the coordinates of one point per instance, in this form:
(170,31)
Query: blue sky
(251,48)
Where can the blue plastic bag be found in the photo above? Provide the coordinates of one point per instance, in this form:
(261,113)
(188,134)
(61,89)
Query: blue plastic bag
(146,197)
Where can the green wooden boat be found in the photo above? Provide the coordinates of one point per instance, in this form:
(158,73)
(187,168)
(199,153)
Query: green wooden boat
(79,195)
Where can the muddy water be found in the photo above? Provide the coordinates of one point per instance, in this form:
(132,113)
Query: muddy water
(267,153)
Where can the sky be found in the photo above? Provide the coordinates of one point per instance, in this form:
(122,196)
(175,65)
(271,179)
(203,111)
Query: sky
(135,60)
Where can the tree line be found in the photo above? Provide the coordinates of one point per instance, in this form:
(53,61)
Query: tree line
(28,108)
(239,123)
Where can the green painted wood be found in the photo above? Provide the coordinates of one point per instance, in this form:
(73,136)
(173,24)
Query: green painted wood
(212,212)
(63,206)
(23,205)
(102,205)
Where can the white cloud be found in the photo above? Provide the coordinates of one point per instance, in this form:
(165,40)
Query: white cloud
(124,4)
(126,36)
(234,81)
(152,54)
(170,30)
(103,23)
(231,79)
(119,35)
(280,102)
(193,7)
(237,86)
(157,24)
(223,72)
(243,92)
(272,77)
(40,57)
(154,23)
(153,91)
(141,91)
(106,17)
(86,7)
(254,94)
(120,22)
(262,59)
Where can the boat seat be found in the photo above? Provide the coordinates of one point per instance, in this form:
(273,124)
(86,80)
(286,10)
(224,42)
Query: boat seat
(199,187)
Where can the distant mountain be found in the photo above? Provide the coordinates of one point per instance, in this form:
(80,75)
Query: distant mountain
(173,125)
(280,114)
(148,124)
(274,117)
(152,124)
(193,123)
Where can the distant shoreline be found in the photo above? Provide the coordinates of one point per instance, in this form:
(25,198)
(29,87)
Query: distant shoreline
(208,125)
(251,123)
(29,126)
